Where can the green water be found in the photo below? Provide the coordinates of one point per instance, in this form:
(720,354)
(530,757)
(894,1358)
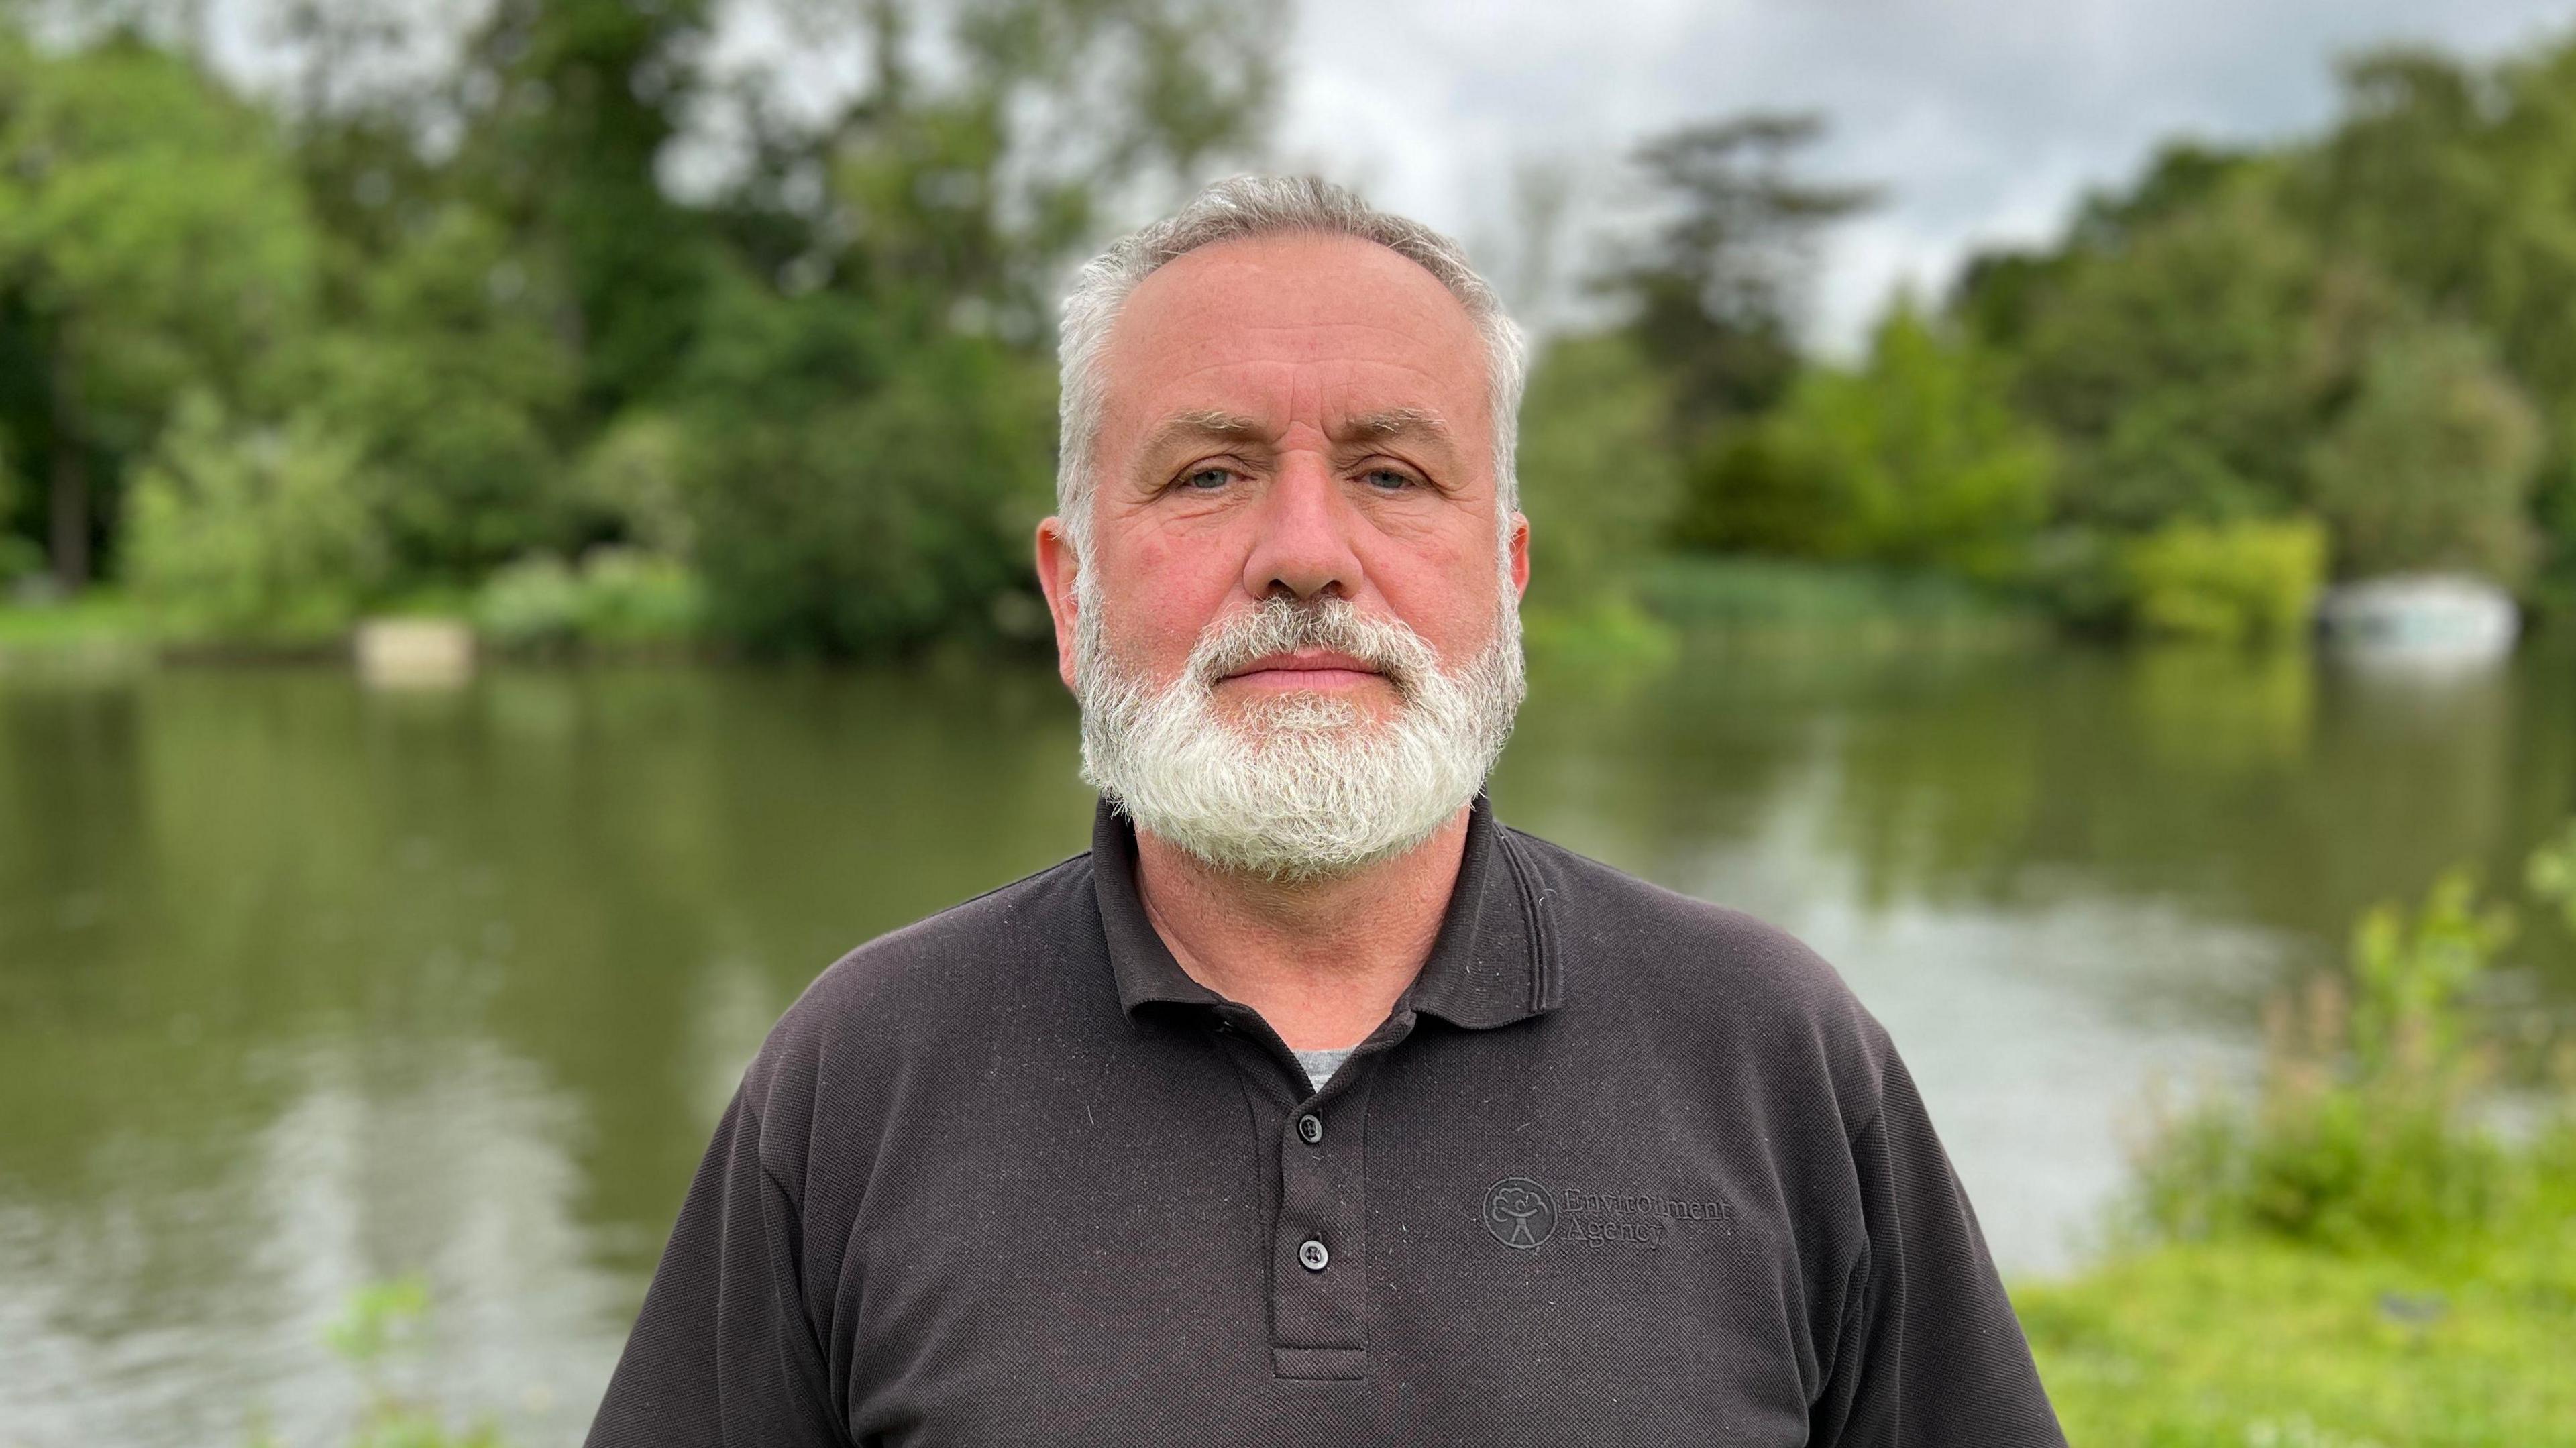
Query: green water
(303,985)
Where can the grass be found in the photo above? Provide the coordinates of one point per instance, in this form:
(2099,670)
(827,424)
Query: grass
(2262,1341)
(90,620)
(1761,595)
(2353,1256)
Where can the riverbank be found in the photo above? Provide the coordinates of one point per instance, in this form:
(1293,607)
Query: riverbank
(2272,1344)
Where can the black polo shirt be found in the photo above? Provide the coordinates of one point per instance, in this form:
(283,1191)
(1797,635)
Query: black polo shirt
(1620,1168)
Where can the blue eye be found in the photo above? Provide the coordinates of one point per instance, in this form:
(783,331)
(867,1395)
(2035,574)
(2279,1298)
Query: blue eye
(1388,480)
(1207,480)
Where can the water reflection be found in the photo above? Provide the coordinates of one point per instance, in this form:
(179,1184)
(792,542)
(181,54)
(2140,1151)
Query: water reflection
(302,985)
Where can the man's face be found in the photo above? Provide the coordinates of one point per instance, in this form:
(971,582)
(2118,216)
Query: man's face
(1303,416)
(1297,642)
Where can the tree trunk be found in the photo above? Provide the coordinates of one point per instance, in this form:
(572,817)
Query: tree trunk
(70,472)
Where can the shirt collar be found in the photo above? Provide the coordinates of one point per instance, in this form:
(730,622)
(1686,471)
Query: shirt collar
(1493,962)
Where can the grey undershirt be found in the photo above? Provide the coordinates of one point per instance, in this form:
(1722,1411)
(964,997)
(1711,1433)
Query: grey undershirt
(1320,1065)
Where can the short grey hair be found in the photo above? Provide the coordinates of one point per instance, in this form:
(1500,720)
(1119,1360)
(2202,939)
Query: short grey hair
(1237,209)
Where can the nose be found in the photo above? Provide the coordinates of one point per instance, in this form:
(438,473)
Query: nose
(1304,542)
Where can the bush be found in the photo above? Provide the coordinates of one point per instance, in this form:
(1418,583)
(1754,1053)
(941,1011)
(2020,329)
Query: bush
(619,599)
(2360,1133)
(250,532)
(2230,583)
(634,480)
(532,604)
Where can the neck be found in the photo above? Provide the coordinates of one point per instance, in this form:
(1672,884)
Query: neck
(1322,960)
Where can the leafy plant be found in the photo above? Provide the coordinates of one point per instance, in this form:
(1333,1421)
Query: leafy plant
(382,1327)
(2362,1130)
(2248,582)
(250,530)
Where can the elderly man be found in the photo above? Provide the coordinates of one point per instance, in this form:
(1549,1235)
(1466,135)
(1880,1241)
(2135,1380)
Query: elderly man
(1312,1105)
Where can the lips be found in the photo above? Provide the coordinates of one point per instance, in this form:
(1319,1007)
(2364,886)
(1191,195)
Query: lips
(1306,661)
(1305,669)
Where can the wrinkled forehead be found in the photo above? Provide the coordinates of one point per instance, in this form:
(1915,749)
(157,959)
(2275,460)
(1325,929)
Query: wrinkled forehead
(1326,328)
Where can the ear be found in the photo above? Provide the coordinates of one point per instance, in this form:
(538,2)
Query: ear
(1519,547)
(1057,568)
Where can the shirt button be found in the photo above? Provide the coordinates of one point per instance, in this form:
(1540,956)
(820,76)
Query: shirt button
(1313,1256)
(1310,1128)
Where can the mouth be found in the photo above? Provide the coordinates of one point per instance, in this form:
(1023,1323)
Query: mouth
(1316,670)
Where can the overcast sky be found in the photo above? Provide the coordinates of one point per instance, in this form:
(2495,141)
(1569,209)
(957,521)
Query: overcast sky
(1984,120)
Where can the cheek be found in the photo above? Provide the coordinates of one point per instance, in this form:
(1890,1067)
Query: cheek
(1446,593)
(1159,593)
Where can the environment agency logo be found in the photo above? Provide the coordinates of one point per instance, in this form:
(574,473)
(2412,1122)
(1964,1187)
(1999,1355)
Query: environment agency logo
(1519,1213)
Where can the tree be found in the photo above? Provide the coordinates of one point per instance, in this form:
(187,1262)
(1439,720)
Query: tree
(871,391)
(1917,460)
(2181,366)
(152,237)
(1718,289)
(2431,467)
(576,100)
(856,494)
(444,370)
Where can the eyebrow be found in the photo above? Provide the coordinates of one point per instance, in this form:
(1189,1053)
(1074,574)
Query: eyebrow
(1204,425)
(1392,423)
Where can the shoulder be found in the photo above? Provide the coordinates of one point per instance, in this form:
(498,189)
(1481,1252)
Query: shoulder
(963,974)
(1705,982)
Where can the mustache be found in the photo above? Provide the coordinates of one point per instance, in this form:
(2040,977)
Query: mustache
(1279,625)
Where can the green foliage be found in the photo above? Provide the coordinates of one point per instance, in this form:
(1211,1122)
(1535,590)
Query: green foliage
(632,483)
(520,344)
(2263,1343)
(1596,481)
(2229,583)
(579,97)
(152,241)
(2349,1259)
(2179,369)
(247,530)
(1915,461)
(1742,494)
(1716,292)
(2366,326)
(461,394)
(383,1326)
(2431,466)
(2550,874)
(153,214)
(618,600)
(873,516)
(2361,1136)
(1795,597)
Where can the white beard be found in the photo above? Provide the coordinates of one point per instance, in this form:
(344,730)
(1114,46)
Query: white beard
(1306,785)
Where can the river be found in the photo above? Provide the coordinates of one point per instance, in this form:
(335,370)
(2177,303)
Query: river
(304,985)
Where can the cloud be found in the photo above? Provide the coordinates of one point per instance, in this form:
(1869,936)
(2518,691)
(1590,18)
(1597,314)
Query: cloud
(1984,122)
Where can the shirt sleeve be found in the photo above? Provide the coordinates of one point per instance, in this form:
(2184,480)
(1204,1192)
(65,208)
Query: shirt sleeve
(1929,1353)
(724,1352)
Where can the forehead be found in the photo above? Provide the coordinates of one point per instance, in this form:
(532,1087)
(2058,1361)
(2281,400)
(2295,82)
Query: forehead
(1291,315)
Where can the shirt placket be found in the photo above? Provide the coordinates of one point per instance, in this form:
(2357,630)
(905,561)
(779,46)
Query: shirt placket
(1315,1157)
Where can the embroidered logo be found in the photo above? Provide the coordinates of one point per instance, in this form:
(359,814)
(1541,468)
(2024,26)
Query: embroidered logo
(1519,1212)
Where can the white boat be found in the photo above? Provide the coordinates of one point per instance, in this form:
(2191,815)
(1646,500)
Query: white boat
(2439,619)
